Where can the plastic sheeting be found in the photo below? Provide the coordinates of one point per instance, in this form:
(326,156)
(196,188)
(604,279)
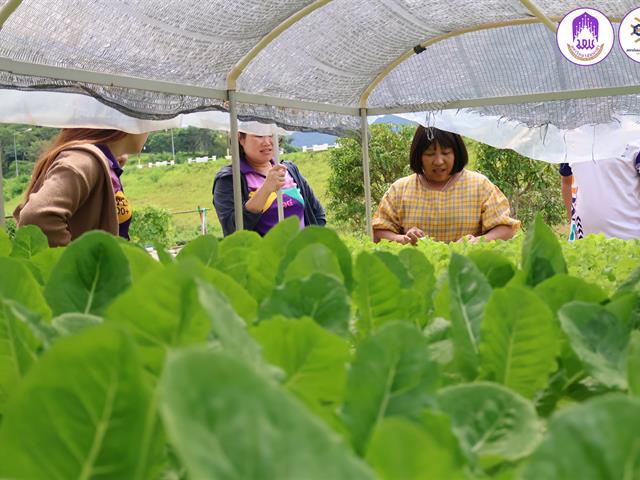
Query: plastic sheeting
(546,143)
(43,108)
(57,109)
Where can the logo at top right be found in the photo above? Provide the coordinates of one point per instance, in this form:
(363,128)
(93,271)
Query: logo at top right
(585,36)
(629,35)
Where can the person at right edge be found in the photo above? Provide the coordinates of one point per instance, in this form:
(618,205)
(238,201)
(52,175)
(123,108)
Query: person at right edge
(607,195)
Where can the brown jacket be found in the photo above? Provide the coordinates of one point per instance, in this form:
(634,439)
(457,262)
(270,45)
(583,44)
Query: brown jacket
(75,196)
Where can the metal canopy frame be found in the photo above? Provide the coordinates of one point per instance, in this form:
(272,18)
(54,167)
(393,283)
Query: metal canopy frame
(7,10)
(535,10)
(511,100)
(237,70)
(233,97)
(96,78)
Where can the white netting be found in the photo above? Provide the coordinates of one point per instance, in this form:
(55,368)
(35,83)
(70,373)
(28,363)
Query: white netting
(510,61)
(186,41)
(335,53)
(331,56)
(613,9)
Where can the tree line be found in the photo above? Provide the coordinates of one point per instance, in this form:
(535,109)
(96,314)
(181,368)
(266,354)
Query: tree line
(25,143)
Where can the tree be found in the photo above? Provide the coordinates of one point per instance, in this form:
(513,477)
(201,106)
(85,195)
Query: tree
(158,142)
(194,141)
(531,186)
(389,160)
(285,144)
(29,143)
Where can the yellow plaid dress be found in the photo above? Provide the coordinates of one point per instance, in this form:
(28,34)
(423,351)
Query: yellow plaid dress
(471,205)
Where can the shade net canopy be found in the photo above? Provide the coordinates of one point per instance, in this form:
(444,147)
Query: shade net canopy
(156,59)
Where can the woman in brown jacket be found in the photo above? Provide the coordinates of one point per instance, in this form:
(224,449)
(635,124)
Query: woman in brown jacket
(76,187)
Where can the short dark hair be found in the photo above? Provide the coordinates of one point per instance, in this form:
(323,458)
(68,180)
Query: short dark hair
(426,136)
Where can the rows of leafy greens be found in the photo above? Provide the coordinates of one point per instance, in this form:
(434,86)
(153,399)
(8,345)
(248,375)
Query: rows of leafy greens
(595,258)
(285,357)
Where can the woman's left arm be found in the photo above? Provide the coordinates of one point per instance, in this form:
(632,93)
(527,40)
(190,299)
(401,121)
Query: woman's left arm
(496,220)
(316,206)
(309,197)
(499,232)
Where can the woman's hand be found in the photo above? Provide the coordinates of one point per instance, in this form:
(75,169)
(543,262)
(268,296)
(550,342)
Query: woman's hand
(274,179)
(401,239)
(469,238)
(413,235)
(391,236)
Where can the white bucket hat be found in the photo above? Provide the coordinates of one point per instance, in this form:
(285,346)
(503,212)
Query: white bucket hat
(261,129)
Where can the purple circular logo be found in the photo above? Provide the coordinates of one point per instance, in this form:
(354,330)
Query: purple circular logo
(585,36)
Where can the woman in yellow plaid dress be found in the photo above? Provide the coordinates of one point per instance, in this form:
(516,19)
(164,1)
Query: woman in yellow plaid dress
(442,199)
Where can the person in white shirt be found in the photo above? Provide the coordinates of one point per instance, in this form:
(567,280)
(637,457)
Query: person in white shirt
(606,197)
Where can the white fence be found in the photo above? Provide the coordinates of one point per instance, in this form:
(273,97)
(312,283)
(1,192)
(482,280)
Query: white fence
(318,148)
(167,163)
(201,159)
(160,164)
(157,164)
(313,148)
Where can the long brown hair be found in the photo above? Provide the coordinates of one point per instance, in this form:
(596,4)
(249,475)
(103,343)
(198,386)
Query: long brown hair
(66,139)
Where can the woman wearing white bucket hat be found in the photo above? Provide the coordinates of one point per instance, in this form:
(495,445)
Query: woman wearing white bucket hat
(261,178)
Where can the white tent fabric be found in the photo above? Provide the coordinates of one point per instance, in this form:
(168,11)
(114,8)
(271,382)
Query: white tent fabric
(154,59)
(546,143)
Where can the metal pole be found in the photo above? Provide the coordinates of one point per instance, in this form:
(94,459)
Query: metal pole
(276,158)
(364,126)
(202,212)
(535,9)
(204,221)
(7,9)
(15,154)
(173,148)
(235,159)
(2,222)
